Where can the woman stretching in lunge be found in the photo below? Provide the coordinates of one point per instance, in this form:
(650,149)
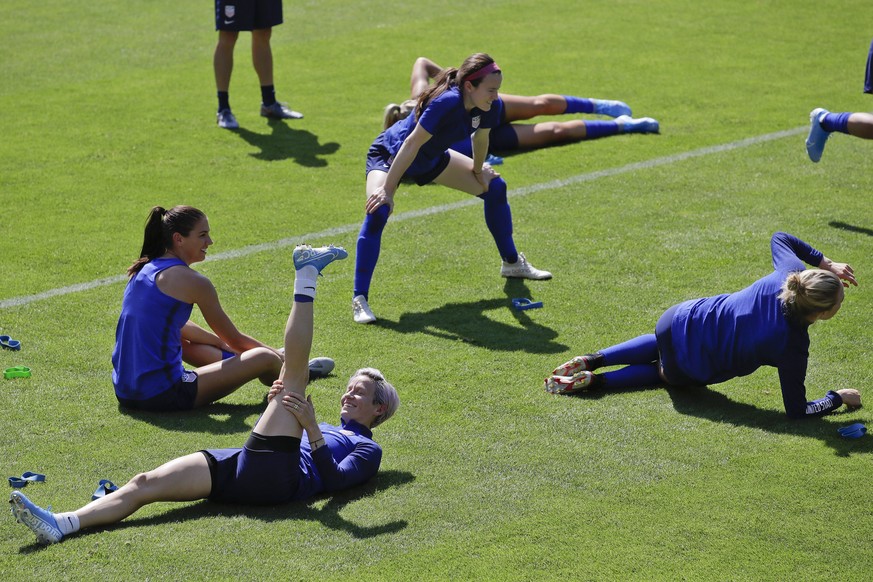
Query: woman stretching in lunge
(463,102)
(711,340)
(289,455)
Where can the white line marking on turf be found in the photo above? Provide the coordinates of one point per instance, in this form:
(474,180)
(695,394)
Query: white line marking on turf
(345,229)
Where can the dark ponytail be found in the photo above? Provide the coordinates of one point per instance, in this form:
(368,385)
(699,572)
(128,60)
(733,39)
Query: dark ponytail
(159,229)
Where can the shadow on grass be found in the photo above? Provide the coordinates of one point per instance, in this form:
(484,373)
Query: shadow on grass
(216,418)
(703,402)
(285,143)
(468,323)
(851,227)
(328,515)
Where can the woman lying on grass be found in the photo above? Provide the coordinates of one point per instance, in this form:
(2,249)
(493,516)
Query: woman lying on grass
(711,340)
(276,464)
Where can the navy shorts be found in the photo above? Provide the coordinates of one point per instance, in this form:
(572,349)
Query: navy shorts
(266,471)
(239,15)
(379,158)
(503,138)
(667,356)
(178,397)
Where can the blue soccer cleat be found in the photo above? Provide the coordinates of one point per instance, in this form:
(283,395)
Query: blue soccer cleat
(40,521)
(818,136)
(319,257)
(639,125)
(611,108)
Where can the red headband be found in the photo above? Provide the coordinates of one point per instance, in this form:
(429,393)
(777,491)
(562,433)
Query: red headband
(486,70)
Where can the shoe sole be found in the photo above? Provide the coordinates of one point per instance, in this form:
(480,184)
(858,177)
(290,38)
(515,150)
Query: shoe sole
(572,367)
(321,260)
(24,516)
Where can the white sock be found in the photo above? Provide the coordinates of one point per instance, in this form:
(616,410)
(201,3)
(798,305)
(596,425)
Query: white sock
(67,522)
(305,281)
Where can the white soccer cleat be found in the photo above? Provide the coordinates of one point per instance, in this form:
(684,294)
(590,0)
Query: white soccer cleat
(577,364)
(578,382)
(361,310)
(521,269)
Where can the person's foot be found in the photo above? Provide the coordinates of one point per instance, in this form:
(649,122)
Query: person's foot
(361,310)
(279,111)
(818,136)
(40,521)
(320,367)
(611,108)
(521,269)
(578,382)
(640,125)
(318,257)
(577,364)
(226,120)
(493,160)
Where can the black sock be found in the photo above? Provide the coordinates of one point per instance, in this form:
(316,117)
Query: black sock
(268,94)
(594,360)
(223,100)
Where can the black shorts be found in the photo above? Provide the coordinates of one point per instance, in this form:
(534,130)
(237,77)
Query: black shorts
(667,355)
(178,397)
(266,471)
(239,15)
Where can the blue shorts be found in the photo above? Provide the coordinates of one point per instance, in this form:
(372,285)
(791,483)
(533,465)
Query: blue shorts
(379,158)
(178,397)
(266,471)
(239,15)
(667,356)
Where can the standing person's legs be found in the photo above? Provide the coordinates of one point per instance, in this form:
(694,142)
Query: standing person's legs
(262,56)
(369,246)
(222,60)
(498,215)
(222,63)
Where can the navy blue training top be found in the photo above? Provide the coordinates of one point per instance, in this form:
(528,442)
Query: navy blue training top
(726,336)
(147,358)
(447,121)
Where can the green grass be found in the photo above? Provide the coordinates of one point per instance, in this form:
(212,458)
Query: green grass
(108,110)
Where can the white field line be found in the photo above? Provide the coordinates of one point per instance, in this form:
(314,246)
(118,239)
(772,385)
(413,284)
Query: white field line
(345,229)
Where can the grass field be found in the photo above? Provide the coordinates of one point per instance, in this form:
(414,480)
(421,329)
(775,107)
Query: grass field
(108,109)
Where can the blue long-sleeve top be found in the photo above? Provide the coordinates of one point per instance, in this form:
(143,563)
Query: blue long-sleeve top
(726,336)
(349,457)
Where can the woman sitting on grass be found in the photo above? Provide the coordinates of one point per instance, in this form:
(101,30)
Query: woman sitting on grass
(711,340)
(276,464)
(154,334)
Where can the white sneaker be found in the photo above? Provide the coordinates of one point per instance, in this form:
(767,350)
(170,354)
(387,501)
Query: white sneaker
(361,310)
(521,269)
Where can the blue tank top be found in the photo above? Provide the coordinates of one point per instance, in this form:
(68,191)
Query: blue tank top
(147,359)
